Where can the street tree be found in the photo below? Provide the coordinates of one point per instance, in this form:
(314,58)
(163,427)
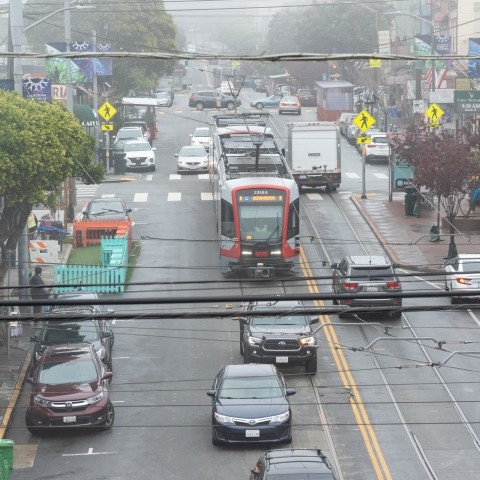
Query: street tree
(443,163)
(131,26)
(40,147)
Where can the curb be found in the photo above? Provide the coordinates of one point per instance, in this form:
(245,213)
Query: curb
(388,249)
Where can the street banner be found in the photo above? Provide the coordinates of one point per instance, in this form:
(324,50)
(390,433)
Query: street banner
(474,50)
(37,88)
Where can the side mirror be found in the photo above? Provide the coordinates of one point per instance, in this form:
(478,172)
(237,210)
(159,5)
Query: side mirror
(395,265)
(128,210)
(107,334)
(110,310)
(314,320)
(107,375)
(176,155)
(211,393)
(290,391)
(243,320)
(334,266)
(154,148)
(34,338)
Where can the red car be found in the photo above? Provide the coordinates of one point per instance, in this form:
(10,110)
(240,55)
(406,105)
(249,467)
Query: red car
(69,389)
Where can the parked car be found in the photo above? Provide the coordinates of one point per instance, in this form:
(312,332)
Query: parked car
(106,209)
(344,121)
(359,274)
(285,339)
(378,148)
(92,331)
(69,389)
(208,99)
(202,136)
(462,275)
(307,97)
(130,133)
(270,102)
(352,133)
(289,104)
(260,86)
(163,99)
(368,134)
(192,158)
(294,463)
(281,89)
(139,155)
(137,123)
(250,404)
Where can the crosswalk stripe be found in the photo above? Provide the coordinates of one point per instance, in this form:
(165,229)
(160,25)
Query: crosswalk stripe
(175,176)
(381,176)
(174,197)
(314,196)
(149,178)
(206,196)
(86,190)
(140,197)
(203,176)
(352,175)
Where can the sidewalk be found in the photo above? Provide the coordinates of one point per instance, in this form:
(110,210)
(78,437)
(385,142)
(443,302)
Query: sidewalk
(406,238)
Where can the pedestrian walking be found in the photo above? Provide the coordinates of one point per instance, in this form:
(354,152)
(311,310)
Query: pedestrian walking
(474,200)
(37,289)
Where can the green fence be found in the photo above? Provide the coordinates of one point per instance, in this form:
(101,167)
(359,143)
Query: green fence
(109,277)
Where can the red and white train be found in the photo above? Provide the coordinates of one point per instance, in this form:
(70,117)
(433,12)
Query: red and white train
(256,199)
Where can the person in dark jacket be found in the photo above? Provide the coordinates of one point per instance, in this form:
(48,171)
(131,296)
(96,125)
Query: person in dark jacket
(37,289)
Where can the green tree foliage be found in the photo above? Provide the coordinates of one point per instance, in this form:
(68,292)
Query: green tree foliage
(41,145)
(131,26)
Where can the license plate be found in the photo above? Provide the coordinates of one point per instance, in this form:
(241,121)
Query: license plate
(252,433)
(281,360)
(372,289)
(71,419)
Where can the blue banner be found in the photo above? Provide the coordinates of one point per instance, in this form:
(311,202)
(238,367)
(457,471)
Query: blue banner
(474,50)
(37,88)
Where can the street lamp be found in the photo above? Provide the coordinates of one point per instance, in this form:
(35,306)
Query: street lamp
(55,12)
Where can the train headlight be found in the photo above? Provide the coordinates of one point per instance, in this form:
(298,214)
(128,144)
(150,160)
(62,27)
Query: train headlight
(247,252)
(276,252)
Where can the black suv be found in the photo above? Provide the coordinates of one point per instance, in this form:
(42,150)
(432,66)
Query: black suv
(293,463)
(280,338)
(360,274)
(208,99)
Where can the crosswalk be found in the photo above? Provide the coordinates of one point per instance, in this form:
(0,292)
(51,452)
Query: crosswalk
(84,191)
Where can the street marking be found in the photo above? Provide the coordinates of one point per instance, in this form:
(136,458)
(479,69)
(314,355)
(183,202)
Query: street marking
(381,176)
(118,401)
(358,408)
(352,175)
(90,452)
(174,197)
(120,358)
(149,178)
(84,190)
(140,197)
(203,176)
(314,196)
(206,196)
(24,456)
(175,176)
(108,195)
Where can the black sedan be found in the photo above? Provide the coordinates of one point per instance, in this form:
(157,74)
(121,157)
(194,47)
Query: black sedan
(249,404)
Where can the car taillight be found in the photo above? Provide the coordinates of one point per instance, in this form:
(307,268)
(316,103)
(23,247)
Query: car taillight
(393,285)
(350,285)
(297,104)
(464,281)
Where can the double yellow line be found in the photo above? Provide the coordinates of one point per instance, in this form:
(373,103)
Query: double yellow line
(355,400)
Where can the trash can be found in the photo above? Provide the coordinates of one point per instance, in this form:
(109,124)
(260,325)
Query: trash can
(119,164)
(6,458)
(434,235)
(410,199)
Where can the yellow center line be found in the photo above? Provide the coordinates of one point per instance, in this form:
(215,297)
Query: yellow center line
(355,400)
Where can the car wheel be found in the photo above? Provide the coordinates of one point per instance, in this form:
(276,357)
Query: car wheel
(230,106)
(280,112)
(199,106)
(454,300)
(299,112)
(311,366)
(259,106)
(110,417)
(246,356)
(28,422)
(152,169)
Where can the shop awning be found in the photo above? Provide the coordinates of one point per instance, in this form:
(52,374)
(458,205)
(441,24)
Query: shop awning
(86,115)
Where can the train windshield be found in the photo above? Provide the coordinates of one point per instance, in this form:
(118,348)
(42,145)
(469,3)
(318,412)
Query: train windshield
(261,221)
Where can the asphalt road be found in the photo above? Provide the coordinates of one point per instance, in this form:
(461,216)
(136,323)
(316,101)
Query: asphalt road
(376,404)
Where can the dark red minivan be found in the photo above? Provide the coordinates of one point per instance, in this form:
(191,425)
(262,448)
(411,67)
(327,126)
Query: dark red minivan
(69,389)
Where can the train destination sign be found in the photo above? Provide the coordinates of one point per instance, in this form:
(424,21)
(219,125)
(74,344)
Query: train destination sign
(261,198)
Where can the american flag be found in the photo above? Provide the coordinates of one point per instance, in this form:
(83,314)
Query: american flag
(439,77)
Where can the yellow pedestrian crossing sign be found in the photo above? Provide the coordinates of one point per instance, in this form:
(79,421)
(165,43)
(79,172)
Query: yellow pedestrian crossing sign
(364,121)
(434,112)
(107,111)
(107,127)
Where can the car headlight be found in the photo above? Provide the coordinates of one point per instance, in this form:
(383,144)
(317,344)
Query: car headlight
(41,401)
(283,417)
(307,341)
(95,398)
(254,341)
(223,418)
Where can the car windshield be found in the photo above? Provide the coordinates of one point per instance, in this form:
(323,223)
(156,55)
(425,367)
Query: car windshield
(279,320)
(136,147)
(129,134)
(192,152)
(103,208)
(251,387)
(369,273)
(72,371)
(201,133)
(70,332)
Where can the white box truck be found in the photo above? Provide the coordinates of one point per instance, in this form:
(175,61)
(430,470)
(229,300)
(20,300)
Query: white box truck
(314,154)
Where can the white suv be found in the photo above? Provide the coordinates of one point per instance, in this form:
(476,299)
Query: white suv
(139,155)
(202,136)
(378,148)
